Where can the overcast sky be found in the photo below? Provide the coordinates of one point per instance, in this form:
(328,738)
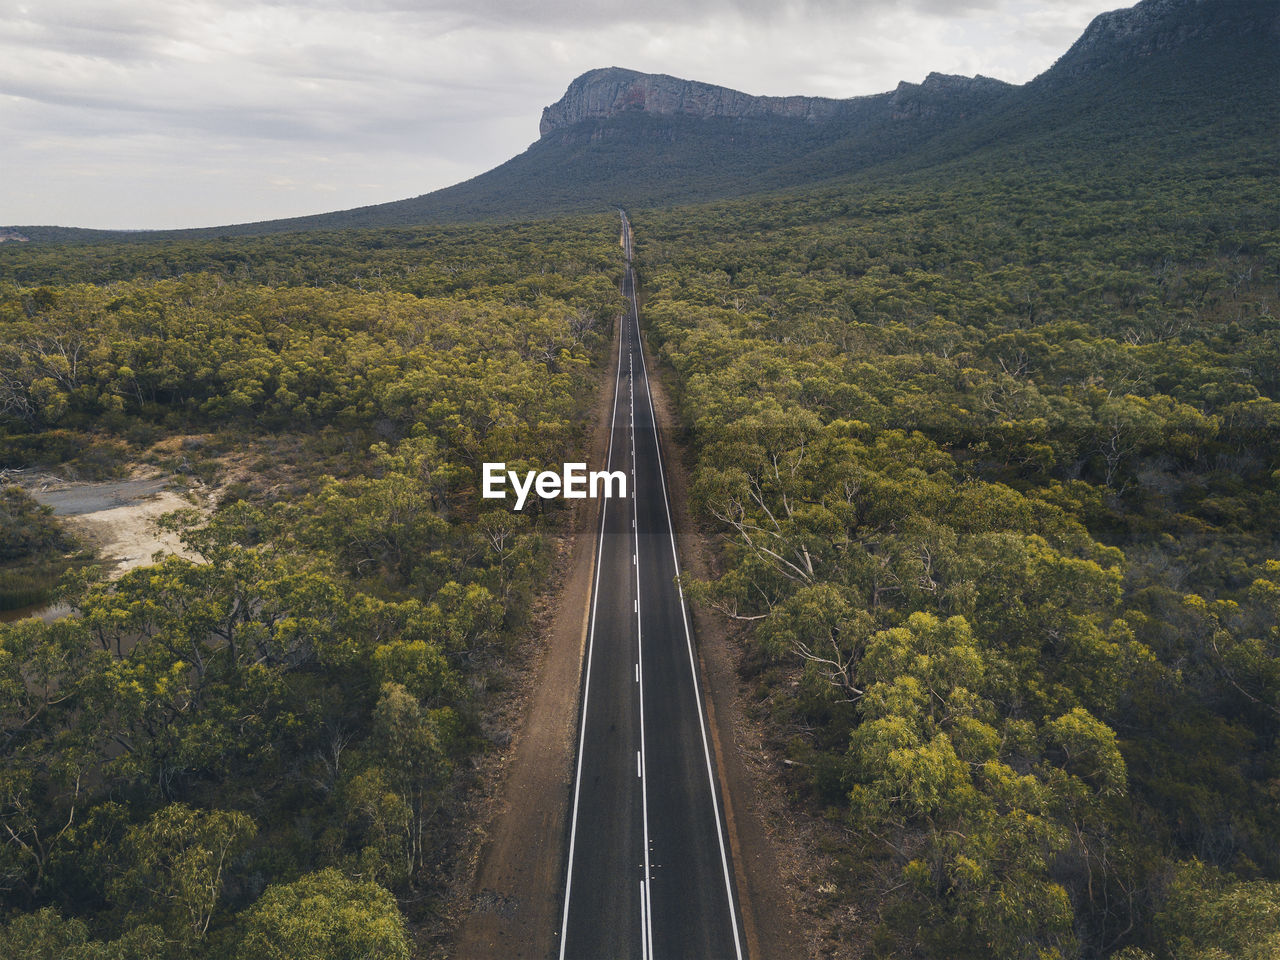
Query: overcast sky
(174,113)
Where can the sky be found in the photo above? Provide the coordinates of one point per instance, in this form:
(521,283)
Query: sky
(180,113)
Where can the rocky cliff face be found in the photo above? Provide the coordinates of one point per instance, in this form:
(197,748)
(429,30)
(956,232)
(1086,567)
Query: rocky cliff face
(601,94)
(1160,26)
(941,94)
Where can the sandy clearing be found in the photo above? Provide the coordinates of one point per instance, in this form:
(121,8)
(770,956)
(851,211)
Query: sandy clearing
(126,537)
(117,517)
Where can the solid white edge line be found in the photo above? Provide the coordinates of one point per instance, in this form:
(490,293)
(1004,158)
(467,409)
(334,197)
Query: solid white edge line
(644,912)
(706,749)
(586,686)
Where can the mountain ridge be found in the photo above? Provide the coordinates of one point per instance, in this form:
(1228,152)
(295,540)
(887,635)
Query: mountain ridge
(621,137)
(606,93)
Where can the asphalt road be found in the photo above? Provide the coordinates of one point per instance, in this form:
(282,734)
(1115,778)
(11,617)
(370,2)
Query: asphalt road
(648,872)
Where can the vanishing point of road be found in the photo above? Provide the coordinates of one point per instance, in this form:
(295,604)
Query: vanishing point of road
(649,875)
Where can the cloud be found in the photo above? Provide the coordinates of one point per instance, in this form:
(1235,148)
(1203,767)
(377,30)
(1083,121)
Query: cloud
(186,112)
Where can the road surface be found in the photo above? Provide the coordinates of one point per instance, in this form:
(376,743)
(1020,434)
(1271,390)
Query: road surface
(648,873)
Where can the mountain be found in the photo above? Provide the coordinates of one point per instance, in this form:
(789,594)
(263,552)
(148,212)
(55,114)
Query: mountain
(1164,27)
(1164,72)
(613,92)
(603,94)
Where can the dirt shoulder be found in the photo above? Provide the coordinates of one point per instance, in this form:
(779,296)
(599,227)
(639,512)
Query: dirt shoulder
(513,905)
(754,805)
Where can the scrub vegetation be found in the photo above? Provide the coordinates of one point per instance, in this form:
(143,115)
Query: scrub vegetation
(35,550)
(265,754)
(993,455)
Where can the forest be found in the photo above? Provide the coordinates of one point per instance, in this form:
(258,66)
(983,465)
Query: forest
(992,457)
(270,753)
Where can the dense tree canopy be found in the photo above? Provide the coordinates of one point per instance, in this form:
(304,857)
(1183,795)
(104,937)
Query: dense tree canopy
(264,751)
(992,457)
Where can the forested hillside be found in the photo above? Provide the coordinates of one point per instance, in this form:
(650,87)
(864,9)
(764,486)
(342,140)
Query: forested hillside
(993,456)
(267,754)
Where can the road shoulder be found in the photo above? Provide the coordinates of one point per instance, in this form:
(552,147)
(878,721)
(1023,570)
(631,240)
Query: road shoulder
(751,797)
(512,911)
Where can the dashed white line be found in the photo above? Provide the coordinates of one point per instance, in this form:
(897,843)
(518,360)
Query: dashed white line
(646,936)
